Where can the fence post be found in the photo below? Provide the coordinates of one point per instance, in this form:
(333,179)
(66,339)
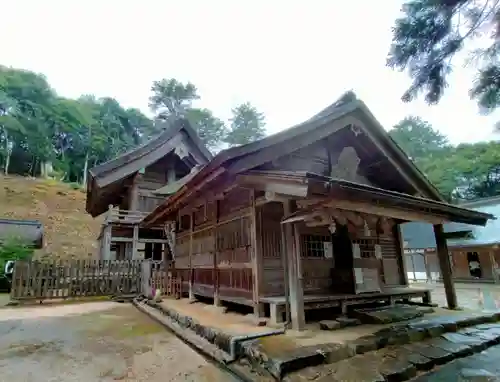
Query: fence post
(146,278)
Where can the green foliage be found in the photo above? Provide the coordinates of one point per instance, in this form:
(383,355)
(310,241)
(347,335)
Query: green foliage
(210,129)
(37,127)
(14,249)
(173,98)
(466,171)
(247,125)
(431,32)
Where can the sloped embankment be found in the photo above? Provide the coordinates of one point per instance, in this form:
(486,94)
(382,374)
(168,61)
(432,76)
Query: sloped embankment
(70,233)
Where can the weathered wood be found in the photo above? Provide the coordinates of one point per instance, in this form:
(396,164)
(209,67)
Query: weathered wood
(55,279)
(191,274)
(256,255)
(445,264)
(400,256)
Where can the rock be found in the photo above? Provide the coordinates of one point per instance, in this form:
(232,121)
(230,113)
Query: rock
(437,355)
(477,375)
(257,321)
(346,321)
(329,325)
(12,303)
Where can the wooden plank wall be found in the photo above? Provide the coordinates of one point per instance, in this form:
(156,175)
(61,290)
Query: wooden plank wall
(218,260)
(269,223)
(460,264)
(316,271)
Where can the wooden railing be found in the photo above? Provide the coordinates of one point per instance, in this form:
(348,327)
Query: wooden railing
(124,216)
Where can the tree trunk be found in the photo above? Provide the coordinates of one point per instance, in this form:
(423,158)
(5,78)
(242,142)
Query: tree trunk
(46,169)
(85,168)
(8,152)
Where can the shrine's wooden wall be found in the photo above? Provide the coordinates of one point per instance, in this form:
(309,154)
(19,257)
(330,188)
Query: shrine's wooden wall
(487,255)
(316,267)
(215,252)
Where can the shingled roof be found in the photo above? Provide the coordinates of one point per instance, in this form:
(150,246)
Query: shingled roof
(107,181)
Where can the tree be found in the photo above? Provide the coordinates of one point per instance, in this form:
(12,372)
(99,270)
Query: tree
(431,32)
(171,97)
(466,171)
(418,138)
(211,130)
(247,125)
(47,134)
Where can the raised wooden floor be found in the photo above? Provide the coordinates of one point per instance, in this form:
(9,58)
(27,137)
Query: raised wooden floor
(321,301)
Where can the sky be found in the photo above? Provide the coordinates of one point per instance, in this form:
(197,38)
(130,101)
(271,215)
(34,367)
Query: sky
(289,58)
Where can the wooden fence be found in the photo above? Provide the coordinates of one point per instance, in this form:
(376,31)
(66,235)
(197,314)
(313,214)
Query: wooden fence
(55,280)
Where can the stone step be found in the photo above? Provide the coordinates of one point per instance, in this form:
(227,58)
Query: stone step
(414,360)
(397,334)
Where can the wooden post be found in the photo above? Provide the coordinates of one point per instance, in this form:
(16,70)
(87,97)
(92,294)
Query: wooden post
(402,257)
(285,260)
(256,256)
(134,193)
(191,270)
(445,265)
(215,270)
(296,284)
(493,263)
(135,239)
(106,242)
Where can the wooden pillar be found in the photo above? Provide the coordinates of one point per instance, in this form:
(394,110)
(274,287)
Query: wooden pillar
(134,193)
(445,265)
(216,257)
(296,284)
(256,257)
(402,260)
(191,270)
(106,247)
(493,263)
(135,241)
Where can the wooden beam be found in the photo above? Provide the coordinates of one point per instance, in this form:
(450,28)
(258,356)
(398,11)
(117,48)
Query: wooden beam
(445,265)
(296,286)
(395,213)
(216,255)
(135,239)
(400,255)
(284,259)
(191,270)
(107,243)
(256,255)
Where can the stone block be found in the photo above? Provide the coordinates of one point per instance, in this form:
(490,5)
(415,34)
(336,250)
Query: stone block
(295,360)
(329,325)
(437,355)
(477,375)
(347,321)
(404,355)
(360,369)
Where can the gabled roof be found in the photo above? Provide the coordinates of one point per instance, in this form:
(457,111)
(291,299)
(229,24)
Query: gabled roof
(106,181)
(421,235)
(348,107)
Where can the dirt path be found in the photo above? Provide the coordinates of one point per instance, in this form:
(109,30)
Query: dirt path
(94,342)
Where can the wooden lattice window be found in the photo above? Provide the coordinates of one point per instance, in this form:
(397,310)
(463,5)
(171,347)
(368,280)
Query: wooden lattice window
(184,223)
(366,247)
(314,245)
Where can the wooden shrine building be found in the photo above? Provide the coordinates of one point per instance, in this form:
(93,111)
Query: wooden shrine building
(474,251)
(130,186)
(306,218)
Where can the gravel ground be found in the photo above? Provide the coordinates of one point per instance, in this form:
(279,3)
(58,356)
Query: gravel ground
(95,342)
